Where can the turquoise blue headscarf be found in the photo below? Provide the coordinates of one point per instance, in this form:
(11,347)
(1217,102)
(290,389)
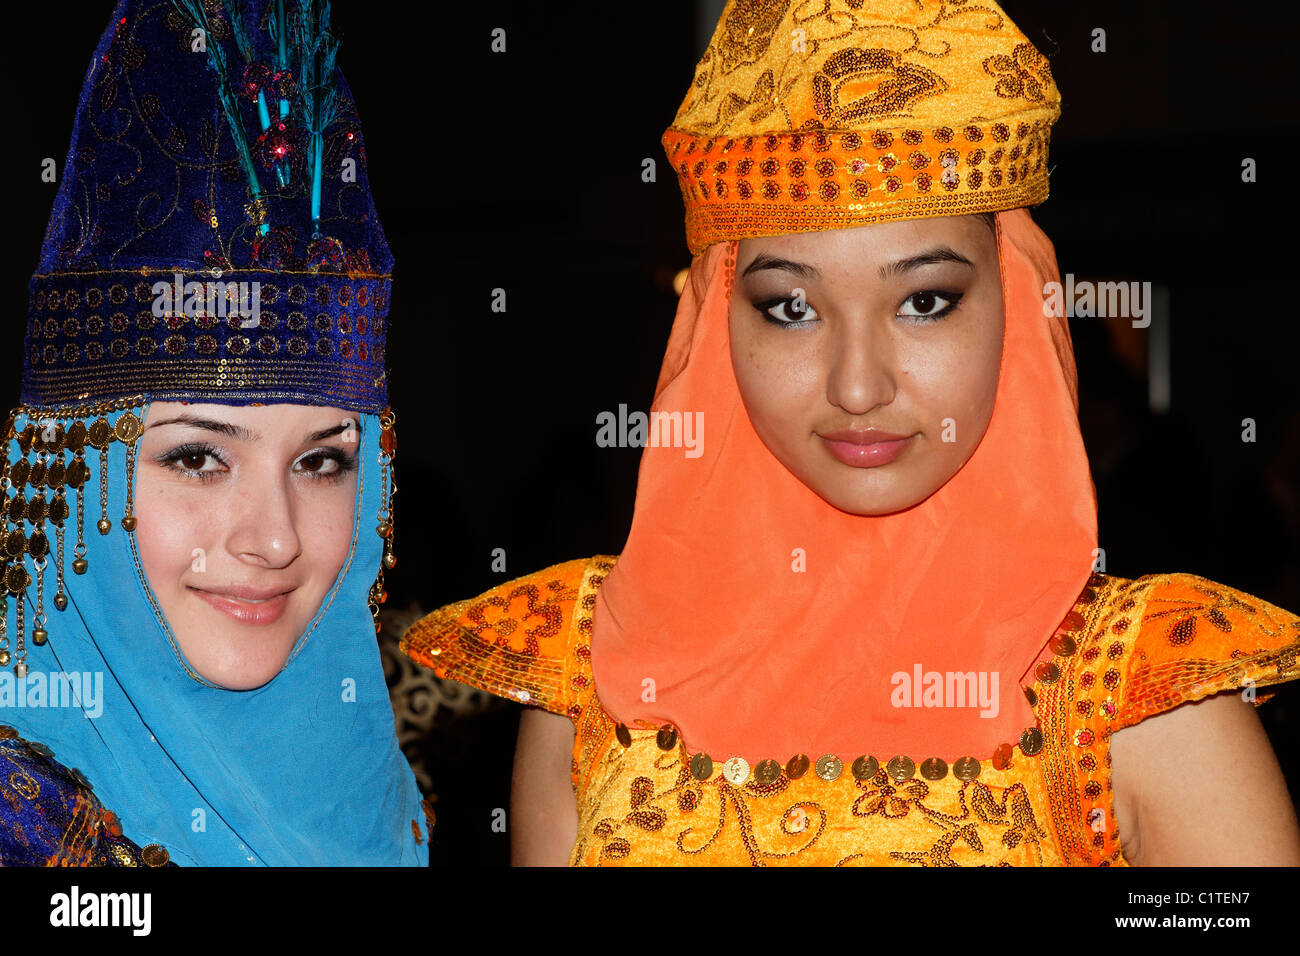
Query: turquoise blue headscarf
(304,770)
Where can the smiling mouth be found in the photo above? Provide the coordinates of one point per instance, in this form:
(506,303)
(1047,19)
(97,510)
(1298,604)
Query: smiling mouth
(246,609)
(243,598)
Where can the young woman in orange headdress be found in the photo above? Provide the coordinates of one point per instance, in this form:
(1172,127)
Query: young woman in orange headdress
(862,618)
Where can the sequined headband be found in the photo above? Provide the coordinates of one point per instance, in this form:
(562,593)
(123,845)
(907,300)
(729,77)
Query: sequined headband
(317,339)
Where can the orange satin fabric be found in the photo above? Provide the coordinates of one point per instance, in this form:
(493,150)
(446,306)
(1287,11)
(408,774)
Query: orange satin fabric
(751,658)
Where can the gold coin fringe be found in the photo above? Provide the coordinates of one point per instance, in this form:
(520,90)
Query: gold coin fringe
(52,464)
(900,768)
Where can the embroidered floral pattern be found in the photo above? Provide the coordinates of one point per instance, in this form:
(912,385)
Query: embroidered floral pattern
(1022,75)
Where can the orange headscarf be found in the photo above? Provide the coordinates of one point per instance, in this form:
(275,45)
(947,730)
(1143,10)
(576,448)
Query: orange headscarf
(704,623)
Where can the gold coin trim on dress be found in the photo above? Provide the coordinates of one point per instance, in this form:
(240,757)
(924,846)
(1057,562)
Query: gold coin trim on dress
(900,768)
(702,766)
(736,771)
(829,767)
(155,854)
(934,768)
(864,768)
(667,737)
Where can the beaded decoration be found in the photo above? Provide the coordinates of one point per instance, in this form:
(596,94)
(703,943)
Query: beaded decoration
(55,819)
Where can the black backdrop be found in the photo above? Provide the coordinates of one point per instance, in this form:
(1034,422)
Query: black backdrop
(522,171)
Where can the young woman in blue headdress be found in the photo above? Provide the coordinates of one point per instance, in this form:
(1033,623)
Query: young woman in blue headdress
(198,682)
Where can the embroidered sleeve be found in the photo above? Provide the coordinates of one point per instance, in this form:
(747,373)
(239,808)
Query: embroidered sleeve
(1195,638)
(1144,647)
(516,641)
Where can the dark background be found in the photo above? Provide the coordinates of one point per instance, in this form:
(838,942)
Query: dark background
(522,171)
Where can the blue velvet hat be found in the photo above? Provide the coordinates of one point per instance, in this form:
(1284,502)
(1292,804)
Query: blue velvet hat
(217,169)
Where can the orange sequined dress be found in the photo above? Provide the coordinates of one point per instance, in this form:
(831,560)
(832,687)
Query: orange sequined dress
(1137,648)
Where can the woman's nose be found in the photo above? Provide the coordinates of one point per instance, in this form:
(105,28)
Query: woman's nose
(263,522)
(861,372)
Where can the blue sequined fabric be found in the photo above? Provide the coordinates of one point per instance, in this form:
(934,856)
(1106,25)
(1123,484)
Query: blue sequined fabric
(49,815)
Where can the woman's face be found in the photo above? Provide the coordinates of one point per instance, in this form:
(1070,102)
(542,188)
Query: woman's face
(244,518)
(868,358)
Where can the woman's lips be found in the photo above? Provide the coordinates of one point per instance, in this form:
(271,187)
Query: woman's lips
(247,605)
(865,449)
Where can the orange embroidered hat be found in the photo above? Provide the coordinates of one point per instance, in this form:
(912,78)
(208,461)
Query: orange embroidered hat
(810,116)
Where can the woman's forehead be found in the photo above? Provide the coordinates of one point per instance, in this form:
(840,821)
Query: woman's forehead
(275,419)
(264,411)
(879,243)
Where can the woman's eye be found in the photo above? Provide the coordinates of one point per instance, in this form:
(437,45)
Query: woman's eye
(929,305)
(327,464)
(788,311)
(195,461)
(318,463)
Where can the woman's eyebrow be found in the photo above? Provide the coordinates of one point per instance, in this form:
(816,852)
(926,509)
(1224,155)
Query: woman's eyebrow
(762,261)
(331,432)
(241,433)
(929,257)
(207,424)
(803,270)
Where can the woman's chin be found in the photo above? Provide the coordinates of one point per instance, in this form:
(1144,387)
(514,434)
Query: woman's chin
(867,507)
(858,494)
(244,676)
(245,663)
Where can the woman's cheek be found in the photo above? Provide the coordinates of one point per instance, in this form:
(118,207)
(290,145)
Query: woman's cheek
(170,526)
(968,400)
(326,529)
(339,537)
(766,393)
(786,368)
(948,374)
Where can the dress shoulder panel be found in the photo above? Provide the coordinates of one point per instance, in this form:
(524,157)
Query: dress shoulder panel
(518,640)
(50,816)
(1196,638)
(1146,646)
(1076,704)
